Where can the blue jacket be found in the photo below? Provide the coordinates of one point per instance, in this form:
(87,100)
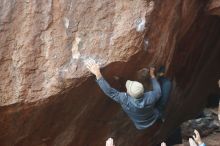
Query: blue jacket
(141,111)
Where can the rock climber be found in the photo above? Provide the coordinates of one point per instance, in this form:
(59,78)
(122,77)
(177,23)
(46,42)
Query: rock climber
(139,105)
(165,84)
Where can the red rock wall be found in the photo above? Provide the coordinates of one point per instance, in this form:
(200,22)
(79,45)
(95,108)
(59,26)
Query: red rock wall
(47,94)
(213,7)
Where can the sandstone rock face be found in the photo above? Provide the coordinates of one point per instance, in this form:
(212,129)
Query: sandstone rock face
(45,43)
(214,7)
(48,97)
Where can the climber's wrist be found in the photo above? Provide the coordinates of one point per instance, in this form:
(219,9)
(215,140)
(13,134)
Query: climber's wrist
(98,75)
(152,76)
(200,142)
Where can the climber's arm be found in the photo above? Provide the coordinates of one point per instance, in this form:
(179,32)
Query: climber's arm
(111,92)
(154,95)
(103,84)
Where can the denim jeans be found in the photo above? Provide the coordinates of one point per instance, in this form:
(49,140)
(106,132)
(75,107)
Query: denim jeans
(166,86)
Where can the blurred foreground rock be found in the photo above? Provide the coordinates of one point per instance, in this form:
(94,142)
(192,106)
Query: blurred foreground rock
(206,124)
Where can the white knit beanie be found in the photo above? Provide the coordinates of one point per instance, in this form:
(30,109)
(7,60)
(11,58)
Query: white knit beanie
(134,88)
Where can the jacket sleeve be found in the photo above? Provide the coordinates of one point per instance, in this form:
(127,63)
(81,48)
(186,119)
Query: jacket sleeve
(203,144)
(117,96)
(154,95)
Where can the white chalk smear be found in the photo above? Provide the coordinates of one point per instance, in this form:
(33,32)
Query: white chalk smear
(111,39)
(66,22)
(75,48)
(92,60)
(76,55)
(146,44)
(140,24)
(150,7)
(89,61)
(67,70)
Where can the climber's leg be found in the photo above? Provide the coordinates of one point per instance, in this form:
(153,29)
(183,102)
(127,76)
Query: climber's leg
(166,86)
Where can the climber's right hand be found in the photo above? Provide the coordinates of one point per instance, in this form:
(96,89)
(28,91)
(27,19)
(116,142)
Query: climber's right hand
(94,68)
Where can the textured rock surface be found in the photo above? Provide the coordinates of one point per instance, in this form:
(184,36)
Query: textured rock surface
(214,7)
(45,42)
(48,96)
